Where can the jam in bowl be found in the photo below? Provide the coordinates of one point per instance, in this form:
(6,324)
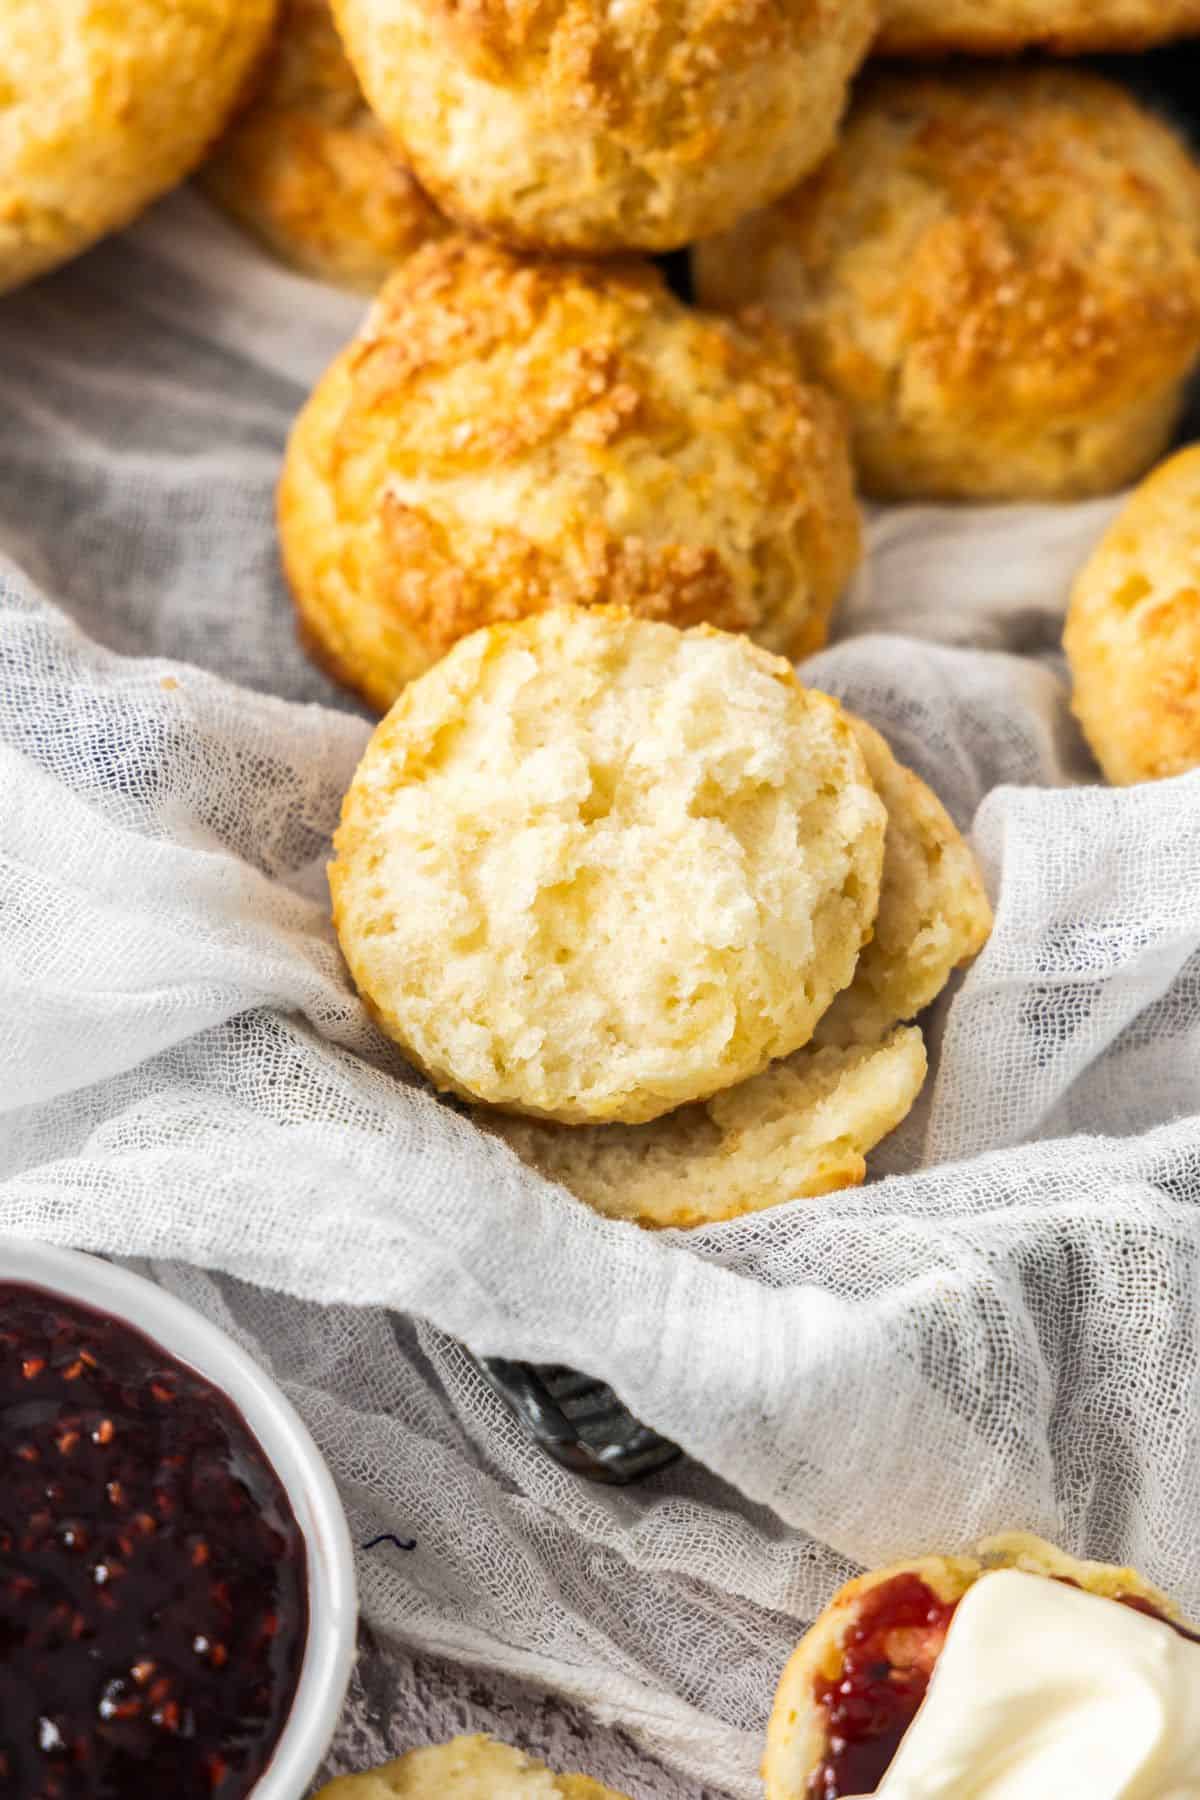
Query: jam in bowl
(176,1589)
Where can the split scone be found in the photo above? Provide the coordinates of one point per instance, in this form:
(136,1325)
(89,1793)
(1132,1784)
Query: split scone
(854,1684)
(467,1768)
(104,107)
(804,1126)
(998,271)
(580,126)
(1133,631)
(999,27)
(507,435)
(309,170)
(592,868)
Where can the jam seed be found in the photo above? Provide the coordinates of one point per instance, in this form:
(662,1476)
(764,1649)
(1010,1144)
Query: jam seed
(75,1371)
(146,1524)
(217,1769)
(167,1716)
(162,1392)
(142,1671)
(103,1433)
(28,1453)
(218,1656)
(199,1554)
(32,1366)
(66,1442)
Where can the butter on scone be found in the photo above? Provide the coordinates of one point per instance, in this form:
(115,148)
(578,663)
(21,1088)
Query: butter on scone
(105,107)
(507,435)
(467,1768)
(592,868)
(998,271)
(805,1126)
(308,169)
(582,126)
(1000,27)
(1133,631)
(858,1676)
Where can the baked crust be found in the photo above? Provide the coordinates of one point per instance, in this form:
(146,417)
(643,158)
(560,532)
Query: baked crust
(796,1735)
(1132,635)
(575,126)
(105,108)
(307,168)
(998,271)
(1002,27)
(508,435)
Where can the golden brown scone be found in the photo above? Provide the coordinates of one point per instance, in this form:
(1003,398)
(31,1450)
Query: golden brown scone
(933,907)
(998,271)
(1133,631)
(802,1128)
(507,435)
(103,107)
(998,27)
(583,126)
(310,171)
(467,1768)
(592,868)
(798,1733)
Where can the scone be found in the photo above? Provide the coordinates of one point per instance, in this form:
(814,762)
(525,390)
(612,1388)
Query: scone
(104,107)
(468,1768)
(507,435)
(855,1681)
(309,170)
(999,273)
(592,868)
(576,125)
(1133,631)
(805,1126)
(934,912)
(998,27)
(802,1128)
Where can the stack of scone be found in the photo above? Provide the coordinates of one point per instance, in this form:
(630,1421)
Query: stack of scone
(660,912)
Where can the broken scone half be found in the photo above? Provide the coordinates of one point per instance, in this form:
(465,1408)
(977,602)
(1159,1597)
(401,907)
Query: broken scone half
(805,1125)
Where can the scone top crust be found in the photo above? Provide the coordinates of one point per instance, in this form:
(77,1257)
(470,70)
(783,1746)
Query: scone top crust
(508,434)
(467,1768)
(1133,631)
(999,27)
(999,270)
(592,868)
(797,1734)
(106,107)
(308,168)
(575,125)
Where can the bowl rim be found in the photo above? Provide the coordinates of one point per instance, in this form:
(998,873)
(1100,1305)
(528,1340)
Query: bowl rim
(187,1336)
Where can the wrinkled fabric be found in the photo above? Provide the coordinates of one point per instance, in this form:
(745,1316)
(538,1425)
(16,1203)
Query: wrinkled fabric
(1001,1330)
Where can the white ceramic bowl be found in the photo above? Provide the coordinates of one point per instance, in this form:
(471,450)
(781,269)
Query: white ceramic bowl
(184,1334)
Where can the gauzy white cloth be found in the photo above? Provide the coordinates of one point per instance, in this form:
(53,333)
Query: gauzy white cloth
(1003,1331)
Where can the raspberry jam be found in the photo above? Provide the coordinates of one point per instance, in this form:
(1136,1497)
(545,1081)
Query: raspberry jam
(153,1586)
(888,1658)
